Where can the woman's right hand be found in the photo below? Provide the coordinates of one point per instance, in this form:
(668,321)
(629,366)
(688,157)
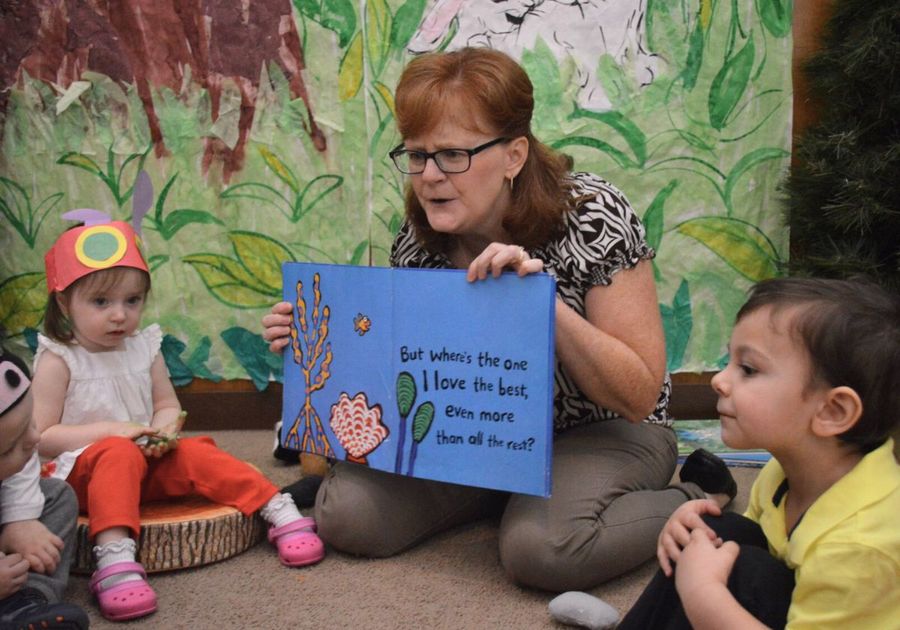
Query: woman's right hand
(676,533)
(277,326)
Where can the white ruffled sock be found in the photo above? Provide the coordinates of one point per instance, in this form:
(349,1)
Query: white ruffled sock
(280,510)
(113,552)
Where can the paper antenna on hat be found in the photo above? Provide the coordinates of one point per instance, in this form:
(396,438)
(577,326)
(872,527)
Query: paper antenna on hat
(100,243)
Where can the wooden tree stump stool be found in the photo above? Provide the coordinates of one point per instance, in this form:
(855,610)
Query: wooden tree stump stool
(181,533)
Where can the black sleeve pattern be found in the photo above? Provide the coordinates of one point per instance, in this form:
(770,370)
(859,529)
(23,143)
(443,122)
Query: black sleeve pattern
(603,235)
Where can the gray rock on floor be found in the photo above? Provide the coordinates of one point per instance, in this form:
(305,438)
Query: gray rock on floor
(575,608)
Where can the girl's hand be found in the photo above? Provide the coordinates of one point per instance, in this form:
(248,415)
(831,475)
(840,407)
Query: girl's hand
(13,573)
(130,430)
(159,445)
(677,532)
(499,256)
(277,326)
(34,542)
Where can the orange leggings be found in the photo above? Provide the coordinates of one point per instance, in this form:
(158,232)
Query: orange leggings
(113,477)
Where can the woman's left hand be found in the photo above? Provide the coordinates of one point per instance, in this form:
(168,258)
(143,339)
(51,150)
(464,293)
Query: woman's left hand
(499,256)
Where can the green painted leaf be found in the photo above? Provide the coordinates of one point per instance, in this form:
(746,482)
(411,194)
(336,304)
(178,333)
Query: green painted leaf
(79,160)
(178,219)
(694,58)
(340,17)
(23,299)
(729,85)
(630,132)
(316,190)
(406,393)
(351,72)
(678,324)
(737,242)
(776,16)
(746,163)
(359,252)
(593,143)
(406,21)
(262,256)
(156,261)
(229,282)
(422,421)
(378,34)
(280,169)
(653,219)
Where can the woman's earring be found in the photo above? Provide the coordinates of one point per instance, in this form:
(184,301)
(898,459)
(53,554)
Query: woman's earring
(511,180)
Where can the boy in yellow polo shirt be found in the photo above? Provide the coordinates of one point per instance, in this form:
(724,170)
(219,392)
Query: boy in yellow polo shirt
(814,378)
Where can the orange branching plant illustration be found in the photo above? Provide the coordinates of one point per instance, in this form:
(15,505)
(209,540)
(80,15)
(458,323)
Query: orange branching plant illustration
(313,355)
(357,426)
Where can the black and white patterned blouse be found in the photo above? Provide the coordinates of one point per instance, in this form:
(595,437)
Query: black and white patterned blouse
(603,235)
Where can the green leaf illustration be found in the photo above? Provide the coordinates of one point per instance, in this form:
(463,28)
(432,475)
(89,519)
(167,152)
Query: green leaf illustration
(280,169)
(422,421)
(593,143)
(262,257)
(406,393)
(317,189)
(406,21)
(359,252)
(178,219)
(630,132)
(23,299)
(745,164)
(678,324)
(729,85)
(653,218)
(79,160)
(776,16)
(378,34)
(351,71)
(694,58)
(230,282)
(335,15)
(740,244)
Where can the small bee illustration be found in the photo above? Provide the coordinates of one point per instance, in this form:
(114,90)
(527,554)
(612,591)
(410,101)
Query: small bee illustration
(362,324)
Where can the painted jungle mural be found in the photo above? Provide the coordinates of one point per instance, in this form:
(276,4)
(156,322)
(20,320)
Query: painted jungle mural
(264,128)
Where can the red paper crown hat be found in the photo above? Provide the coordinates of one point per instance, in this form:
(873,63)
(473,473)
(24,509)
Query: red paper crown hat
(13,384)
(100,243)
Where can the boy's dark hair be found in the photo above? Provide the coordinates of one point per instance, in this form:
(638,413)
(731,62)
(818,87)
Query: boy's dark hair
(56,325)
(851,330)
(10,379)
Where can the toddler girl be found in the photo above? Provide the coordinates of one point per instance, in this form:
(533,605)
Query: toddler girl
(109,417)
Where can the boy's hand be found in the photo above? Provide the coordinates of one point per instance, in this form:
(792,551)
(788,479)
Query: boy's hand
(678,529)
(34,542)
(13,573)
(703,565)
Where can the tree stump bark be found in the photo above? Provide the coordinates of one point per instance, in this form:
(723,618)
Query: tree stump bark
(181,533)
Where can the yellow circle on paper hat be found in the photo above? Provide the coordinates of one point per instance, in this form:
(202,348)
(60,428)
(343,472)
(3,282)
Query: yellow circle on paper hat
(100,246)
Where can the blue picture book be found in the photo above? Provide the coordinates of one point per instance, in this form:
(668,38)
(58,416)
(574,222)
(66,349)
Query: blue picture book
(419,372)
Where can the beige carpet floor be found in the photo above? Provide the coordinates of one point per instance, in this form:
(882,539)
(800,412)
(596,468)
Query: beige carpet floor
(453,581)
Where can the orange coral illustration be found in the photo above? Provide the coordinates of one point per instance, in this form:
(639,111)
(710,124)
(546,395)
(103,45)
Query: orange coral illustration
(314,357)
(357,426)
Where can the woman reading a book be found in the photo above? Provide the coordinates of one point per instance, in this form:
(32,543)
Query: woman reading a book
(486,196)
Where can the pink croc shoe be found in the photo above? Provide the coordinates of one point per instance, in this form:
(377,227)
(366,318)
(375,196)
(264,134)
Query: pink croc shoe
(126,600)
(297,543)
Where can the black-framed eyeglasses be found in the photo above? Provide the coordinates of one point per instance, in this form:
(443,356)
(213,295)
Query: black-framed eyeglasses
(448,160)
